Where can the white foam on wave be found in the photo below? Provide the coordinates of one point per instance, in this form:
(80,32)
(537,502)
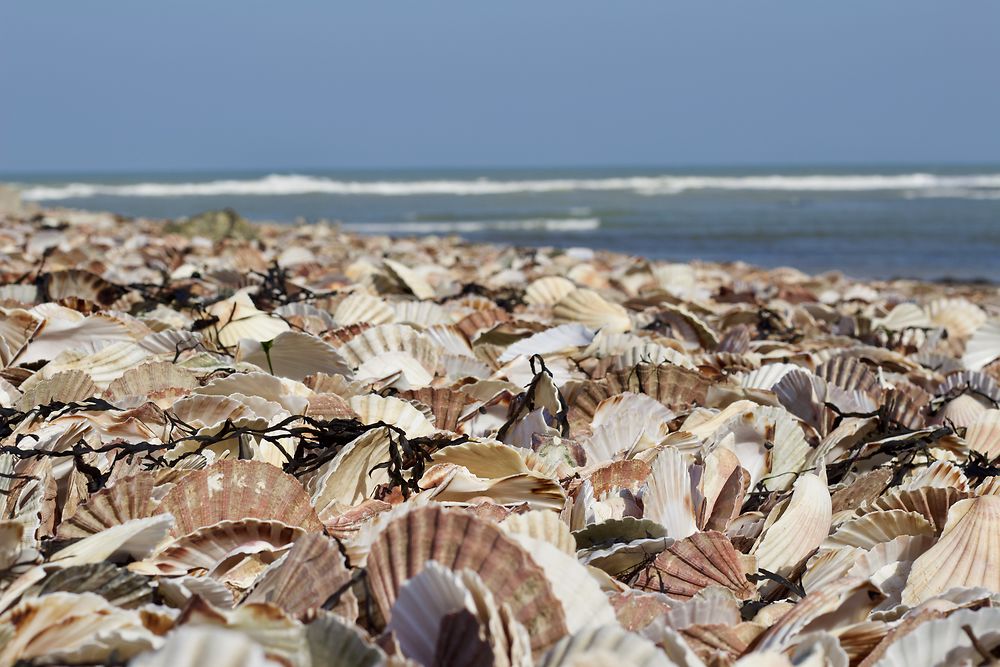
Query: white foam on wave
(471,226)
(296,184)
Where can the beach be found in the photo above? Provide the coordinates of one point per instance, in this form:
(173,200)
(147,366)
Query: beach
(297,444)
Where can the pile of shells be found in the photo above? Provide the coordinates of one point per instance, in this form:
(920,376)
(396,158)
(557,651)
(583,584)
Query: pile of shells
(310,448)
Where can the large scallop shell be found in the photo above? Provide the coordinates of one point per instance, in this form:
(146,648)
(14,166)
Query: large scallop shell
(128,499)
(458,541)
(591,309)
(965,556)
(696,562)
(791,533)
(294,355)
(234,490)
(548,291)
(314,558)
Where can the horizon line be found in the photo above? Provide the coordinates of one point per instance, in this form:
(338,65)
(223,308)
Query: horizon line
(875,164)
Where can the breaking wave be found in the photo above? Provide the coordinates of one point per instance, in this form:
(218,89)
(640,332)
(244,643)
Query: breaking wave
(296,184)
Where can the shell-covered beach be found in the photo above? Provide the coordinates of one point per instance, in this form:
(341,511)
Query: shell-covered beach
(233,444)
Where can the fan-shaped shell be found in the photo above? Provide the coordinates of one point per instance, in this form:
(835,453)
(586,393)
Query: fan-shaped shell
(700,560)
(362,307)
(965,555)
(458,541)
(548,291)
(315,559)
(591,309)
(130,498)
(373,409)
(234,490)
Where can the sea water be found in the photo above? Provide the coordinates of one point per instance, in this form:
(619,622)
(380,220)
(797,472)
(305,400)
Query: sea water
(920,221)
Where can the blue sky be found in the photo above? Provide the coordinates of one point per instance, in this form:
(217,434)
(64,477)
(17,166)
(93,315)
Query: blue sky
(258,85)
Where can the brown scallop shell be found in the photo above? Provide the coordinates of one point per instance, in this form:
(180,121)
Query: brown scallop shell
(698,561)
(234,490)
(130,498)
(447,405)
(458,540)
(305,578)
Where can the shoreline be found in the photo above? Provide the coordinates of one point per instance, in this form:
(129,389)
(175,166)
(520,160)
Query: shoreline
(274,430)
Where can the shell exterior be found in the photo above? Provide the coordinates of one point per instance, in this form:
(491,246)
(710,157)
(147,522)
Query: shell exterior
(965,555)
(792,533)
(590,309)
(696,562)
(458,541)
(235,490)
(295,355)
(314,558)
(128,499)
(548,291)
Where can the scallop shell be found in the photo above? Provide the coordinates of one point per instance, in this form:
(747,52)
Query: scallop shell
(964,556)
(422,314)
(458,541)
(931,502)
(564,338)
(481,320)
(591,309)
(668,496)
(149,378)
(876,527)
(983,346)
(91,630)
(696,562)
(958,316)
(942,474)
(373,343)
(199,646)
(605,645)
(983,434)
(294,355)
(217,548)
(409,279)
(235,490)
(76,283)
(446,405)
(103,366)
(360,307)
(542,525)
(373,409)
(239,318)
(353,474)
(849,374)
(937,642)
(331,641)
(66,387)
(427,606)
(116,585)
(548,291)
(793,532)
(128,499)
(314,558)
(675,387)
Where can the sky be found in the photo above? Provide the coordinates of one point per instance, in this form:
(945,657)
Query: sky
(242,84)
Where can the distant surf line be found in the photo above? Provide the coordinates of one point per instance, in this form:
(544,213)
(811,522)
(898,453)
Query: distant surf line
(923,184)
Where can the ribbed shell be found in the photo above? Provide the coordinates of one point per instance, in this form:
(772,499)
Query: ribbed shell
(130,498)
(591,309)
(234,490)
(701,560)
(457,541)
(967,554)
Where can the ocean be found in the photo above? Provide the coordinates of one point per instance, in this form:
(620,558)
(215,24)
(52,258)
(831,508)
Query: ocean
(914,221)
